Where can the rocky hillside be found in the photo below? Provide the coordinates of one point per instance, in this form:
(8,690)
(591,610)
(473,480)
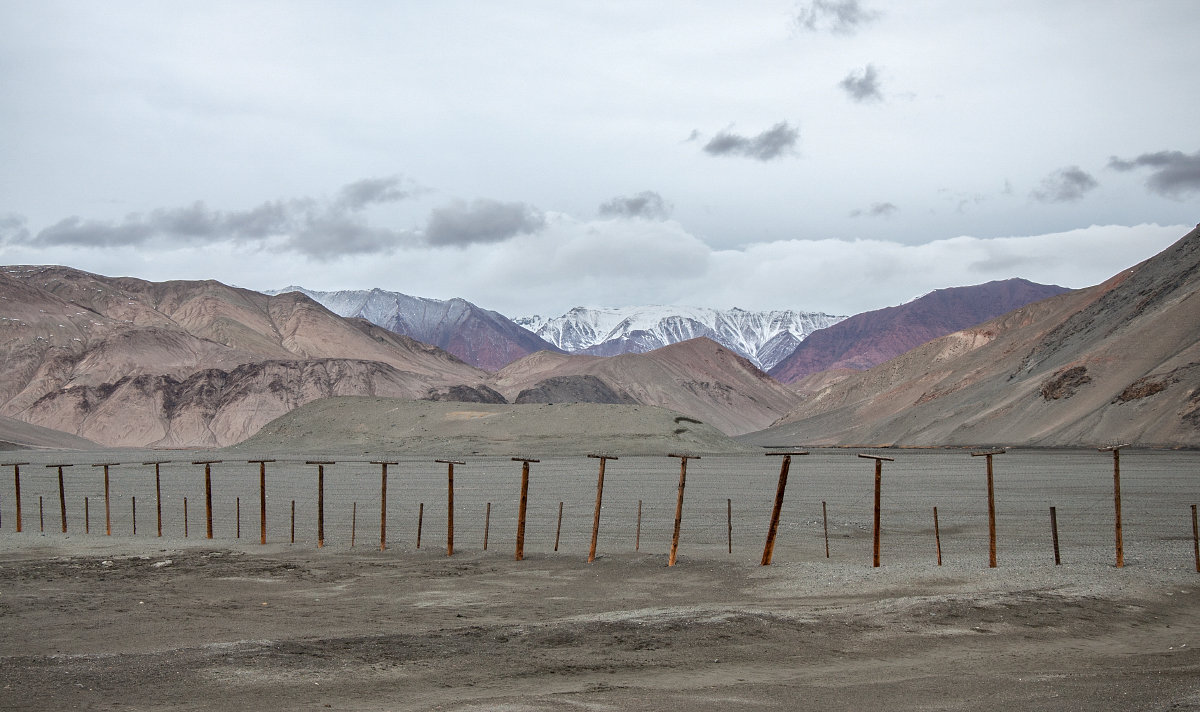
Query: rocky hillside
(126,362)
(698,378)
(1115,363)
(482,338)
(870,338)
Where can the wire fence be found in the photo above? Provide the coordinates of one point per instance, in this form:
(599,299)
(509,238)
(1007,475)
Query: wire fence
(727,503)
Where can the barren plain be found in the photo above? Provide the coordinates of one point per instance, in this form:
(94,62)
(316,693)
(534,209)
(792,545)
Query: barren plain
(135,621)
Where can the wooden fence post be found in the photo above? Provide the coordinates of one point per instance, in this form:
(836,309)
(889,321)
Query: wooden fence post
(1116,451)
(599,501)
(879,460)
(520,551)
(1196,539)
(157,491)
(420,521)
(729,523)
(207,494)
(133,512)
(185,518)
(558,530)
(293,537)
(17,487)
(679,503)
(383,500)
(773,527)
(87,517)
(262,498)
(237,516)
(353,523)
(107,517)
(62,497)
(449,507)
(320,498)
(41,516)
(991,506)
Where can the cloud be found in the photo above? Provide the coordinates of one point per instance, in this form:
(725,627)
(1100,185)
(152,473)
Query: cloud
(371,191)
(776,141)
(839,16)
(647,204)
(1174,173)
(863,86)
(12,229)
(481,221)
(1066,185)
(320,229)
(877,210)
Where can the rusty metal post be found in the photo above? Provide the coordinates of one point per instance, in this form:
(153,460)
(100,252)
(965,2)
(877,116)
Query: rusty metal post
(991,505)
(1196,538)
(157,491)
(520,552)
(937,536)
(320,498)
(383,500)
(17,487)
(107,517)
(637,537)
(825,523)
(353,523)
(729,524)
(293,536)
(487,523)
(679,503)
(62,497)
(449,507)
(420,522)
(773,527)
(599,501)
(558,530)
(1120,545)
(41,516)
(133,512)
(208,526)
(879,460)
(1054,534)
(262,498)
(87,517)
(185,518)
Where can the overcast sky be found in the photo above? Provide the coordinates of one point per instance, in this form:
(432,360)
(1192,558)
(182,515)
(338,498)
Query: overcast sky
(827,155)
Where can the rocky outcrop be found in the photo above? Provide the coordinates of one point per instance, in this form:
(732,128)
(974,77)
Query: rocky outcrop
(584,388)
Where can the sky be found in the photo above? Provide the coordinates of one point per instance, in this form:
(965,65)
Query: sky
(531,156)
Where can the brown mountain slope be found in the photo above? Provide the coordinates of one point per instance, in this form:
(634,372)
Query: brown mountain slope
(698,378)
(870,338)
(129,362)
(1115,362)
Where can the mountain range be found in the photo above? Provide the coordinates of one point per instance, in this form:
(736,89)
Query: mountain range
(1115,363)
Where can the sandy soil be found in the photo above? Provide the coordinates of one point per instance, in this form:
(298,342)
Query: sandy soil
(131,624)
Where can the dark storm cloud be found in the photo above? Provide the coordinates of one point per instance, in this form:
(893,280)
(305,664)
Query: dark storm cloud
(319,229)
(1066,185)
(840,16)
(460,223)
(863,86)
(776,141)
(1173,173)
(12,229)
(877,210)
(647,204)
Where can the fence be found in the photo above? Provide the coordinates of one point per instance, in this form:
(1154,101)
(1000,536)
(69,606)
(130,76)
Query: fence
(728,505)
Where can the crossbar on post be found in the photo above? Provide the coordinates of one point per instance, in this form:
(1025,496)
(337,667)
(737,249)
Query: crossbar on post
(320,498)
(449,506)
(207,494)
(107,516)
(991,505)
(383,500)
(679,503)
(879,460)
(157,491)
(62,496)
(599,502)
(773,527)
(262,498)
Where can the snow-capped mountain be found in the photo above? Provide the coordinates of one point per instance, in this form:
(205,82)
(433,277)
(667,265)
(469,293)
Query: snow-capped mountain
(766,338)
(482,338)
